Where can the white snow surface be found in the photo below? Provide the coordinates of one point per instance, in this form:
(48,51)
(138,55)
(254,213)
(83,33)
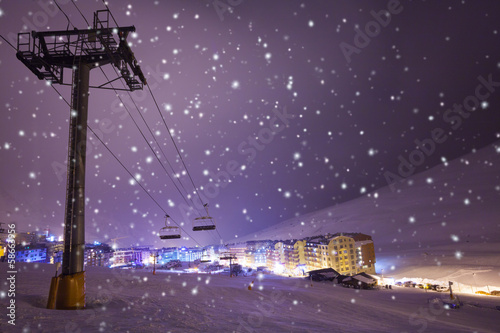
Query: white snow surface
(138,301)
(443,226)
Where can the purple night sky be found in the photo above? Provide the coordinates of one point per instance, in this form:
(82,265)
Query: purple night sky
(220,78)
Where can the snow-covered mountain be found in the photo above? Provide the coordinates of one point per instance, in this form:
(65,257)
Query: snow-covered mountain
(447,216)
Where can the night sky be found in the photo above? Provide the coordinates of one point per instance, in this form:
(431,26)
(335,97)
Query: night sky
(353,108)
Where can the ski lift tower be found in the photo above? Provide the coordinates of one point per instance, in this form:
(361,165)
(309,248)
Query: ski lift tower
(228,256)
(47,54)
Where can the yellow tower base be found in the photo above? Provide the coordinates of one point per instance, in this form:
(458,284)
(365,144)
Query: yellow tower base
(51,302)
(70,292)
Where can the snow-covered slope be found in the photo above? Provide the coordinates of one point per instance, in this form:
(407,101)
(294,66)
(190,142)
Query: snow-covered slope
(138,301)
(448,216)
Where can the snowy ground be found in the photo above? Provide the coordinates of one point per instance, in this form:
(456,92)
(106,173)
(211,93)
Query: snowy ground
(137,301)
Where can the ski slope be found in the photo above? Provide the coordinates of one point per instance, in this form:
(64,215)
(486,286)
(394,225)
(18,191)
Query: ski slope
(138,301)
(444,225)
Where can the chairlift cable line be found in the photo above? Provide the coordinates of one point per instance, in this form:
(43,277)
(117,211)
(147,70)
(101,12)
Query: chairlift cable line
(161,149)
(64,99)
(163,119)
(137,181)
(8,42)
(168,130)
(137,126)
(67,18)
(118,160)
(175,145)
(147,142)
(73,2)
(106,5)
(140,114)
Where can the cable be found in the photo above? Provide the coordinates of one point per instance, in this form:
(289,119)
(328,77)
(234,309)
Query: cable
(67,18)
(145,139)
(90,128)
(106,5)
(135,179)
(159,146)
(137,126)
(175,145)
(178,152)
(168,130)
(8,42)
(150,131)
(60,96)
(73,2)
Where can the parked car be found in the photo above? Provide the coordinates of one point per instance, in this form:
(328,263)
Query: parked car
(442,288)
(410,284)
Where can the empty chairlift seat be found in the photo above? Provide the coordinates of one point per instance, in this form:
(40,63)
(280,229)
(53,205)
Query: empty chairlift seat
(205,258)
(169,232)
(204,222)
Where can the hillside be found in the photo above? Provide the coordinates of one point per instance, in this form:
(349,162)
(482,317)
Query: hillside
(446,217)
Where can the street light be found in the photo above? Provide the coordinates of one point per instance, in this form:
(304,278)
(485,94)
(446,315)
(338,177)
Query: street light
(154,256)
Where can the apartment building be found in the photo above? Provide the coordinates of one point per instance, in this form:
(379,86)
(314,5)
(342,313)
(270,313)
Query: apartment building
(31,253)
(343,256)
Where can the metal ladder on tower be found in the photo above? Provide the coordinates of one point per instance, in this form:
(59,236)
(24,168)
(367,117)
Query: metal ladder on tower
(70,177)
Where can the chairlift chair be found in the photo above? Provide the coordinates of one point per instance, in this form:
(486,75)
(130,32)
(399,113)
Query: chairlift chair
(205,258)
(227,256)
(169,232)
(204,222)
